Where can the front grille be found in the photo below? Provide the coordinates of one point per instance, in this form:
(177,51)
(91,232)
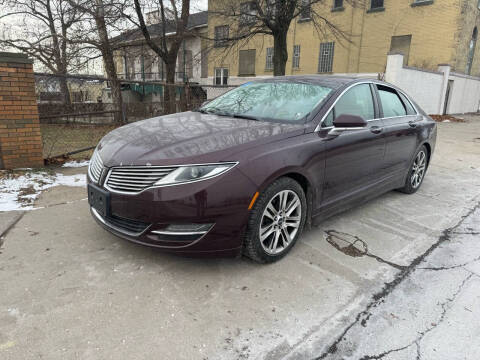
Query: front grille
(133,179)
(95,167)
(128,225)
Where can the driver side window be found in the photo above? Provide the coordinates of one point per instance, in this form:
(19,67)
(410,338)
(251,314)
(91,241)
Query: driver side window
(356,101)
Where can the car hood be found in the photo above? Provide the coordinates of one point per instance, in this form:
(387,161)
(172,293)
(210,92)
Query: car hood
(189,137)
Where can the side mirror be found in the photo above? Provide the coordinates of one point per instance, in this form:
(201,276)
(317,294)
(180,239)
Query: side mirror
(349,122)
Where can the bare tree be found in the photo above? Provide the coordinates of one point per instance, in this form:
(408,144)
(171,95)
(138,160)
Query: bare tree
(174,14)
(41,29)
(273,17)
(101,21)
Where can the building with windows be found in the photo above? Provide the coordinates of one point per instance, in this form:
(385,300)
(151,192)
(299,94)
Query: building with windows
(135,60)
(427,32)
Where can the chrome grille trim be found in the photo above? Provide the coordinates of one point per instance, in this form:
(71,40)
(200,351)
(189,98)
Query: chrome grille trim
(134,179)
(95,167)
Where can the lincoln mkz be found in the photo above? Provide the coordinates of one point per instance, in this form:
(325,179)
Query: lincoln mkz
(249,170)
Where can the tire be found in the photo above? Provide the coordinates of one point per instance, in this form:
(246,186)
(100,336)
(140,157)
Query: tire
(417,171)
(283,229)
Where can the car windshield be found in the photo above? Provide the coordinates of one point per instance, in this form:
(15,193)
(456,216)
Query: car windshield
(283,101)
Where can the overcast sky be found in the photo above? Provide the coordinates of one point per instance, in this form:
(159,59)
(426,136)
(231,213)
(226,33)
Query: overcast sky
(198,5)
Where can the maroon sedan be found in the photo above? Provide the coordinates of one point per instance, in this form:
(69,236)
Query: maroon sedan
(246,172)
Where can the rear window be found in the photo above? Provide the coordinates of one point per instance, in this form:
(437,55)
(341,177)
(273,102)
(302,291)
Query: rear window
(392,105)
(408,104)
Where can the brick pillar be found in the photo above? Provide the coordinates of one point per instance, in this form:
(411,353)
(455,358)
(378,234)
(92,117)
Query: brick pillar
(20,136)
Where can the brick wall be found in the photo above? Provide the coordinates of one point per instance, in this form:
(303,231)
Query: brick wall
(20,136)
(441,31)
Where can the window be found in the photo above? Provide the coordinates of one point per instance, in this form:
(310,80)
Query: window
(269,59)
(401,44)
(248,12)
(246,62)
(270,101)
(306,10)
(328,122)
(391,104)
(204,63)
(356,101)
(221,35)
(471,51)
(376,4)
(188,64)
(161,69)
(325,61)
(296,56)
(410,109)
(221,76)
(181,76)
(337,4)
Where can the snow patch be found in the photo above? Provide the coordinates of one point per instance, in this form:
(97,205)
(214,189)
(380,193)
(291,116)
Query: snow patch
(19,192)
(75,164)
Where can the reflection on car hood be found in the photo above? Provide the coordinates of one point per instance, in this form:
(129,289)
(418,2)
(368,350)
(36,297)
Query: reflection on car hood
(189,137)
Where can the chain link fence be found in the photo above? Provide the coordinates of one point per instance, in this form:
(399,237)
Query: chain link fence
(76,111)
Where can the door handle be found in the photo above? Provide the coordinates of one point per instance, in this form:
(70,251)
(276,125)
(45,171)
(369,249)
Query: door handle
(376,129)
(412,124)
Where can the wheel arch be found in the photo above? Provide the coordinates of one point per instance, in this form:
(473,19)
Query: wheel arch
(305,183)
(429,151)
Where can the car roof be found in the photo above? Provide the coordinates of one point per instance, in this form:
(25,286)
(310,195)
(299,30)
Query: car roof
(331,81)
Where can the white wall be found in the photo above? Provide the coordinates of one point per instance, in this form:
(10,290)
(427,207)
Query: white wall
(464,94)
(425,87)
(429,88)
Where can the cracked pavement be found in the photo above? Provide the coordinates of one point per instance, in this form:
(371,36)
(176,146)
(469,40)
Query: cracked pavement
(396,278)
(429,311)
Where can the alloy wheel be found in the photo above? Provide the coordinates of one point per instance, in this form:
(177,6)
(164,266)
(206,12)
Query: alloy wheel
(418,169)
(280,222)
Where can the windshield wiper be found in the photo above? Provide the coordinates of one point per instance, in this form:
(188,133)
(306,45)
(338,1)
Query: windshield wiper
(218,112)
(213,111)
(248,117)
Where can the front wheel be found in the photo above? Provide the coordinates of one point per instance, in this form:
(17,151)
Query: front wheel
(276,221)
(416,173)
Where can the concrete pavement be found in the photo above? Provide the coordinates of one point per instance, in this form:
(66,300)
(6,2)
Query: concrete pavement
(430,311)
(71,290)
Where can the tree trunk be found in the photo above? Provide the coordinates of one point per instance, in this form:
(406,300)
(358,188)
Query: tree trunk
(169,98)
(107,54)
(65,91)
(280,52)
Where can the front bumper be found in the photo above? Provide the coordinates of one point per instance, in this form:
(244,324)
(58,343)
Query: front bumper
(222,201)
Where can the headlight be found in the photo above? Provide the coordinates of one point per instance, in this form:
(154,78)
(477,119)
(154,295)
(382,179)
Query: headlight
(191,173)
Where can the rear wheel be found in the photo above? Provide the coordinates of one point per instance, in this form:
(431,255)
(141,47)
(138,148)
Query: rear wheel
(417,171)
(276,221)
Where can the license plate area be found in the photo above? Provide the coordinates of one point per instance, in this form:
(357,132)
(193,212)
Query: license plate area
(99,199)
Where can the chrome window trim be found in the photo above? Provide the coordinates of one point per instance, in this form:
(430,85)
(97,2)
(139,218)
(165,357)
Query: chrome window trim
(116,228)
(233,163)
(319,126)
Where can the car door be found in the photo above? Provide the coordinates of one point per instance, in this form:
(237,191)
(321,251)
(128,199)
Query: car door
(400,122)
(354,158)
